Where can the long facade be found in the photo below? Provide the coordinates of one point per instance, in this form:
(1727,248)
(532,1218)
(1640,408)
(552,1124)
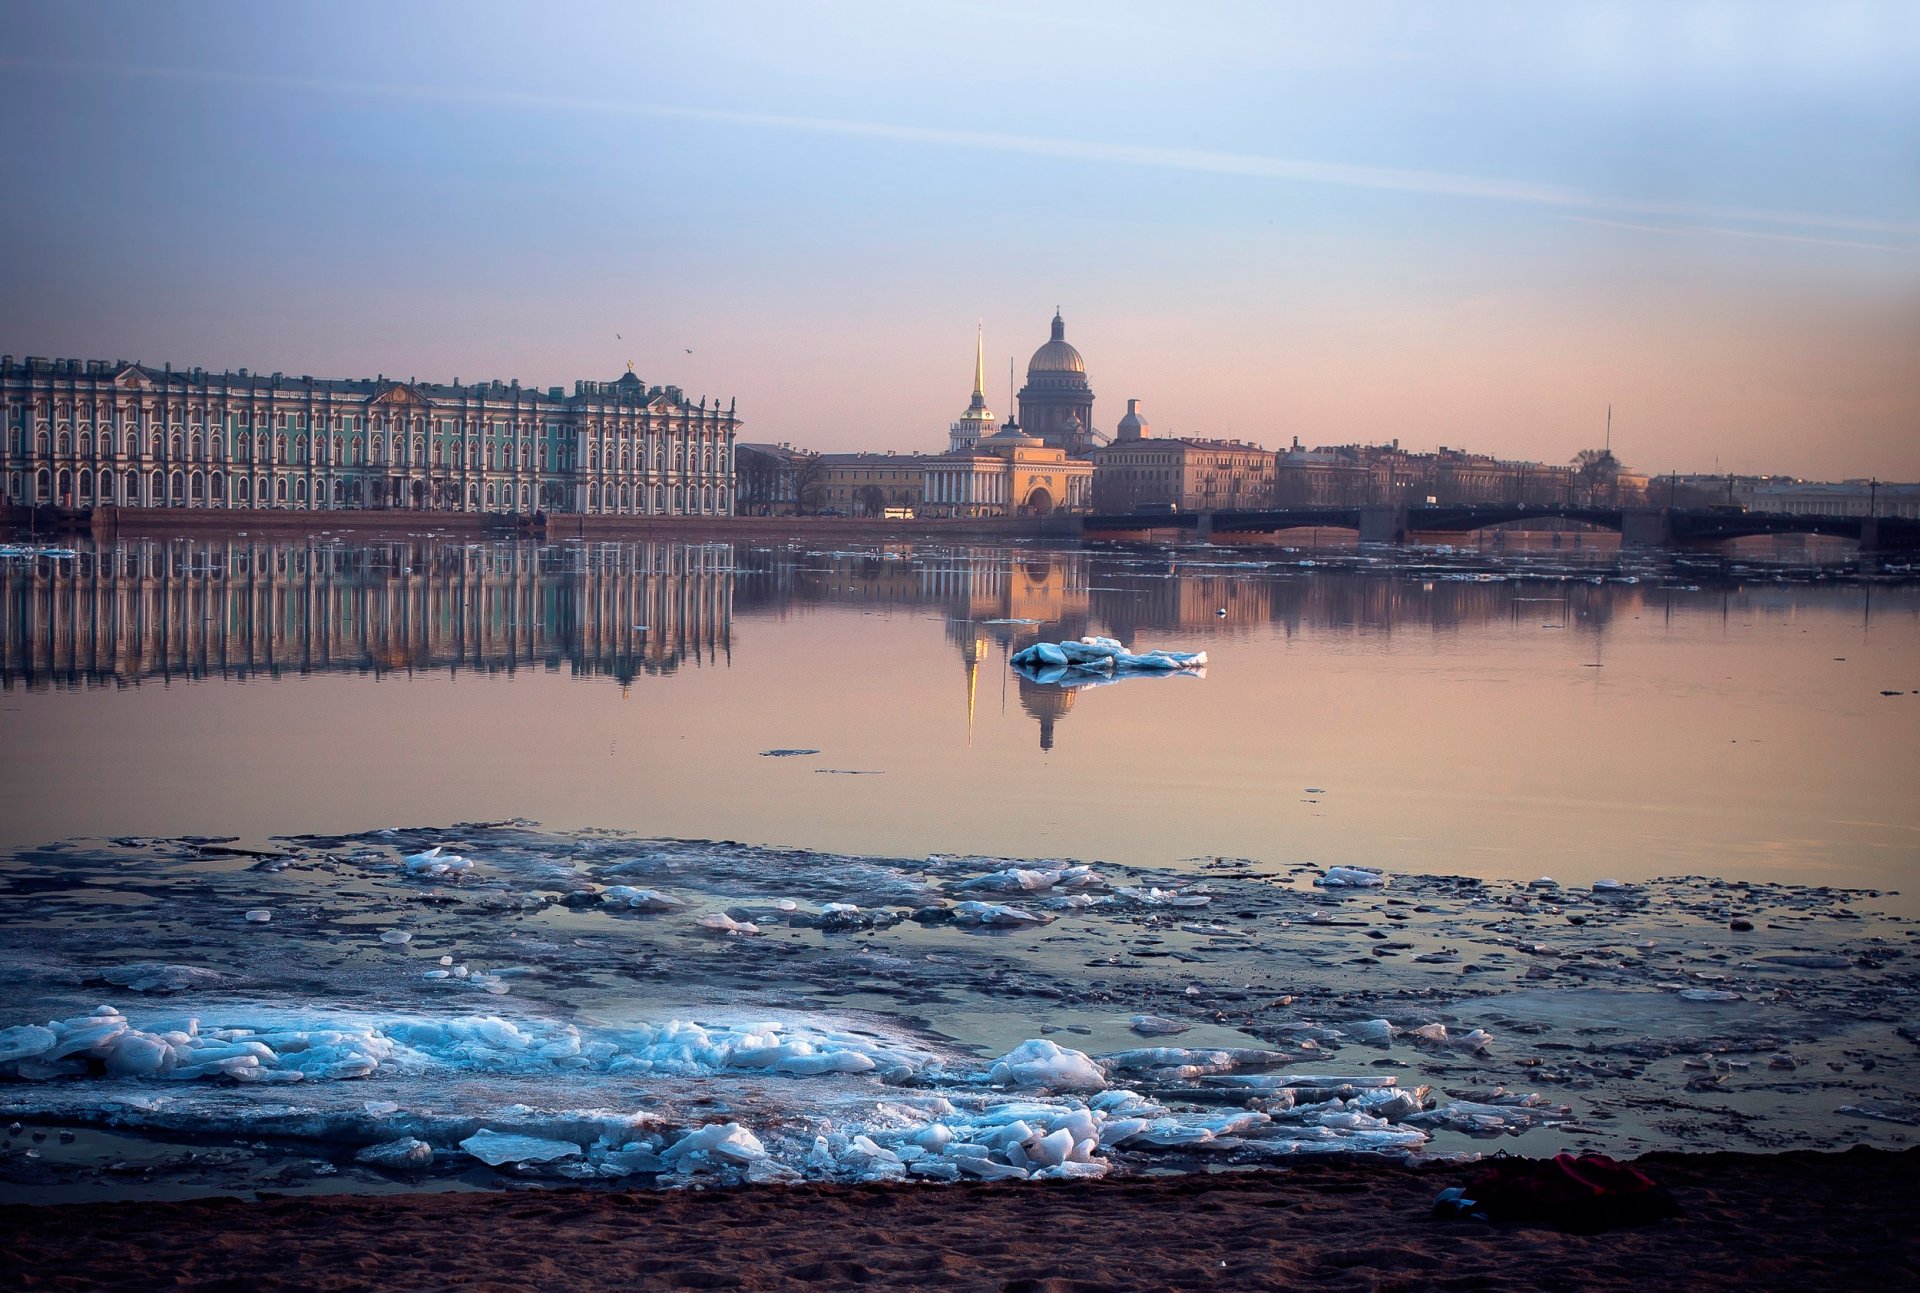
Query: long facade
(87,433)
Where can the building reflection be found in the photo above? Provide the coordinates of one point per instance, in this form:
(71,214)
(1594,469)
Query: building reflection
(191,609)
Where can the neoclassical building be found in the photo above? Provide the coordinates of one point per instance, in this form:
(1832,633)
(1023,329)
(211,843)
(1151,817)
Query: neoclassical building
(83,433)
(1056,404)
(1007,472)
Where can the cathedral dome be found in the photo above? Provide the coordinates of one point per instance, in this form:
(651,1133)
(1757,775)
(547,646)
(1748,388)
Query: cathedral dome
(1056,356)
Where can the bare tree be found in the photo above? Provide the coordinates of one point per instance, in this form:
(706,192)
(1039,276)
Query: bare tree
(1597,472)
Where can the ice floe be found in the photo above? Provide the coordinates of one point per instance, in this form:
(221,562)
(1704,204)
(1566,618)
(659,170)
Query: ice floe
(1104,655)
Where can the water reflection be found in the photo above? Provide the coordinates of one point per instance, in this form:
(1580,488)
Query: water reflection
(233,609)
(1450,716)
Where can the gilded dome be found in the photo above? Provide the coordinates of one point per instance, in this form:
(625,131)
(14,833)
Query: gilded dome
(1056,356)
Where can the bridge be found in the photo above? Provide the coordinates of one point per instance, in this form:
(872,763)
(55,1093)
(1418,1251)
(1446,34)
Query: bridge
(1393,523)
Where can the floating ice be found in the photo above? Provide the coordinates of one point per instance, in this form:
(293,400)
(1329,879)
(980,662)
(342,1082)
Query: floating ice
(994,913)
(1350,877)
(1030,879)
(1041,1064)
(1156,897)
(496,1148)
(407,1152)
(721,923)
(1104,655)
(259,916)
(728,1141)
(1157,1026)
(154,976)
(625,895)
(436,861)
(395,937)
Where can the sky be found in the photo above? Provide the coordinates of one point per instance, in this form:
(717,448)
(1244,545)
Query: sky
(1472,225)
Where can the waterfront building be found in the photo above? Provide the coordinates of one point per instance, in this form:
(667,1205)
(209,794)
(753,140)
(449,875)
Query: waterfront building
(1343,475)
(867,484)
(1056,404)
(1139,469)
(977,423)
(86,433)
(1833,498)
(775,480)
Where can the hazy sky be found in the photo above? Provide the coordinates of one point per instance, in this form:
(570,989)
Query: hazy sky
(1472,225)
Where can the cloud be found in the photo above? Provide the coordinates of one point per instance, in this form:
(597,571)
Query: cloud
(1206,161)
(1733,233)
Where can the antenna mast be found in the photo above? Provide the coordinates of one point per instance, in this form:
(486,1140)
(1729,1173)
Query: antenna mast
(1609,430)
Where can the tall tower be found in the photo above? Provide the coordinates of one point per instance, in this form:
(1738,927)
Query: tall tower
(1056,404)
(977,423)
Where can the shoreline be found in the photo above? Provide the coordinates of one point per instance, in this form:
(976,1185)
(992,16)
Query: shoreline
(1797,1219)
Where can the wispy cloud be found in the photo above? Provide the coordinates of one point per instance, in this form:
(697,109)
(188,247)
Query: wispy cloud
(1769,234)
(1701,218)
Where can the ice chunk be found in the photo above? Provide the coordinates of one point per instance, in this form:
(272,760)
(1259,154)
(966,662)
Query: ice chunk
(994,913)
(154,976)
(1157,1026)
(496,1148)
(406,1153)
(1042,1064)
(721,923)
(27,1039)
(259,916)
(1351,877)
(626,895)
(725,1140)
(395,937)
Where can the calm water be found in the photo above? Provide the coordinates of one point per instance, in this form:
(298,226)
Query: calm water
(1579,721)
(779,791)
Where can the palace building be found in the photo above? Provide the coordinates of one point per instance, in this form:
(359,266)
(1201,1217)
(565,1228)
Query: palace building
(85,433)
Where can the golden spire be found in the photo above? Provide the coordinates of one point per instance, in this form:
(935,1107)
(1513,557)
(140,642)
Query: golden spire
(980,364)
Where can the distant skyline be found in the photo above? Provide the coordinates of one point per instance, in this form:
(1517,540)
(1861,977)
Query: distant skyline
(1474,225)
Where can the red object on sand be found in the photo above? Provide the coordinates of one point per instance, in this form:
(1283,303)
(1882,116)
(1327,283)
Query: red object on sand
(1587,1193)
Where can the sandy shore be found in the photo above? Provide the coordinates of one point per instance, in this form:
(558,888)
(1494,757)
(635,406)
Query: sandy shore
(1789,1221)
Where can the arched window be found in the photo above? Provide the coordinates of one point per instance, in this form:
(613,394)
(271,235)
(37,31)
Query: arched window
(526,498)
(242,491)
(196,446)
(86,485)
(260,494)
(179,444)
(156,490)
(66,443)
(217,488)
(280,490)
(300,492)
(43,486)
(86,444)
(679,498)
(197,487)
(493,495)
(280,449)
(473,498)
(42,444)
(593,497)
(659,498)
(176,490)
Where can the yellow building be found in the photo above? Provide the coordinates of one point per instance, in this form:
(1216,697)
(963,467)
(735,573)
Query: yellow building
(866,484)
(1193,475)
